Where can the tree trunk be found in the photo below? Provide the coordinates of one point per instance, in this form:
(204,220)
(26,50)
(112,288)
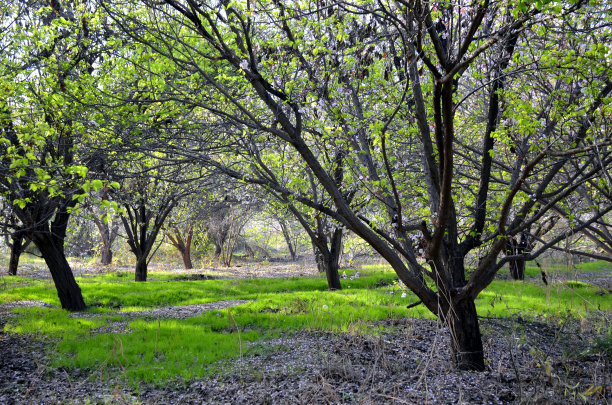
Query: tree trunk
(182,245)
(333,278)
(106,258)
(517,269)
(517,248)
(186,255)
(319,259)
(108,235)
(68,290)
(14,260)
(287,236)
(141,269)
(331,272)
(516,266)
(466,340)
(17,248)
(327,260)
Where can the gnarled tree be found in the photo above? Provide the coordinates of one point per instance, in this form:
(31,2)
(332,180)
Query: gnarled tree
(417,98)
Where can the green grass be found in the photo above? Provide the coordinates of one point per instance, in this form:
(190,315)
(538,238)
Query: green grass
(108,343)
(558,267)
(598,266)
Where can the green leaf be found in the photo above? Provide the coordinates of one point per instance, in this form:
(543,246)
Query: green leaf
(97,184)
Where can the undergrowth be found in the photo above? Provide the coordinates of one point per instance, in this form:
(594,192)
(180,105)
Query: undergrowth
(106,342)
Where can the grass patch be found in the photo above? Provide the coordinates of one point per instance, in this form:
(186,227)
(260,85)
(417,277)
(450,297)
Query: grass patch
(160,351)
(53,322)
(155,352)
(558,267)
(598,266)
(503,298)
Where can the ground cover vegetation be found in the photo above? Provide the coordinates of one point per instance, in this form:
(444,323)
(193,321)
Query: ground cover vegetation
(120,335)
(464,143)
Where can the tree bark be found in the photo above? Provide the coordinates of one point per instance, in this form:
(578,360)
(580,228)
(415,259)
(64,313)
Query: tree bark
(328,260)
(514,248)
(517,269)
(187,258)
(333,277)
(68,290)
(17,248)
(141,269)
(108,235)
(14,259)
(182,245)
(319,259)
(106,257)
(466,340)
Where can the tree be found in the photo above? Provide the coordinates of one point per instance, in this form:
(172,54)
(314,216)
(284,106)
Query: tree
(324,233)
(18,245)
(225,219)
(414,99)
(108,234)
(218,223)
(289,227)
(43,167)
(147,199)
(291,242)
(14,237)
(182,241)
(523,244)
(179,228)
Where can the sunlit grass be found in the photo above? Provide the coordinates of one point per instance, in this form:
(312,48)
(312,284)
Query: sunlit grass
(552,268)
(155,351)
(159,351)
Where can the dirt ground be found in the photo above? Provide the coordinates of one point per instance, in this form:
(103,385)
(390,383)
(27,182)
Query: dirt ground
(528,362)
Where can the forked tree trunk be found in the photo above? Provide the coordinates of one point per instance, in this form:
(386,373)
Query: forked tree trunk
(219,238)
(185,251)
(466,341)
(108,235)
(182,245)
(328,260)
(141,233)
(68,290)
(141,269)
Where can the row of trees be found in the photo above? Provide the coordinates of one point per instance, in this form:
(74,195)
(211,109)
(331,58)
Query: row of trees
(219,233)
(438,132)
